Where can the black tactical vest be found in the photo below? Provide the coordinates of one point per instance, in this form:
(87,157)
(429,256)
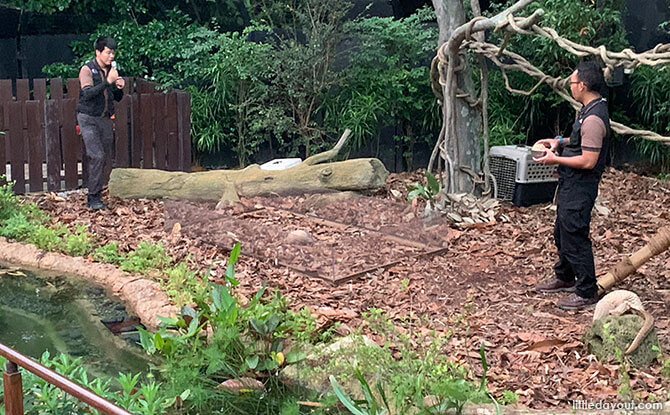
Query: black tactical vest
(95,105)
(597,107)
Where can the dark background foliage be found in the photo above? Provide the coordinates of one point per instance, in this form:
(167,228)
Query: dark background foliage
(277,79)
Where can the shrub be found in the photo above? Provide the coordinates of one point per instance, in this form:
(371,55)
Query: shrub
(108,253)
(183,285)
(47,238)
(77,243)
(18,220)
(146,257)
(17,227)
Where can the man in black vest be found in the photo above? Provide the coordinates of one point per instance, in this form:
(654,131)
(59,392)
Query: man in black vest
(580,164)
(100,87)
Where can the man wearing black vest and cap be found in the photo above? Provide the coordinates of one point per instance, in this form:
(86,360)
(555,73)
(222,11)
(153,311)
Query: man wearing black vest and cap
(580,164)
(100,87)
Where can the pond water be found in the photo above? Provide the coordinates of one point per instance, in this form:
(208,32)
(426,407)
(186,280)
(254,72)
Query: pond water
(40,313)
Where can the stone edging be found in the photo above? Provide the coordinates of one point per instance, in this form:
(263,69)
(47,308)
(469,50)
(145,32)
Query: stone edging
(144,297)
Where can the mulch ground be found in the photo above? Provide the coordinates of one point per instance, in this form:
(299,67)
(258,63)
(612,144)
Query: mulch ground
(477,286)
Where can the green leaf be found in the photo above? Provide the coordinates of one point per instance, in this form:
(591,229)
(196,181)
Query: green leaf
(433,184)
(414,194)
(234,253)
(189,311)
(344,398)
(295,356)
(258,326)
(252,362)
(185,395)
(158,341)
(194,328)
(485,366)
(373,406)
(230,267)
(271,323)
(221,298)
(146,341)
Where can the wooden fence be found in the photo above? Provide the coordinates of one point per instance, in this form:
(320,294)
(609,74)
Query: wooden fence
(40,148)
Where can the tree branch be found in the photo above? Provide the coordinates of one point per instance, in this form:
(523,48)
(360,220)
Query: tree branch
(327,155)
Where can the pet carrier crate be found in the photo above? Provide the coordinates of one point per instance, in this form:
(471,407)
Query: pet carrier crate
(519,178)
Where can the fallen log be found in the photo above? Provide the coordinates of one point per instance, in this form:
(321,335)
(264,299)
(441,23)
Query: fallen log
(306,177)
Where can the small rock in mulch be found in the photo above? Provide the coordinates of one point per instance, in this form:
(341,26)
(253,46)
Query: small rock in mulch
(299,237)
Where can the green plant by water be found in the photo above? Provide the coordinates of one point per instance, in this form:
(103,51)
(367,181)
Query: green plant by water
(41,398)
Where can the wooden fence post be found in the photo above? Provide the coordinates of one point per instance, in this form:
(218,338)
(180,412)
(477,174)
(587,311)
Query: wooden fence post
(52,138)
(13,389)
(146,130)
(17,154)
(71,147)
(184,122)
(36,147)
(173,155)
(160,130)
(121,128)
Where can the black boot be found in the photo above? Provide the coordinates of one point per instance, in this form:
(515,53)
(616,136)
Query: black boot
(95,202)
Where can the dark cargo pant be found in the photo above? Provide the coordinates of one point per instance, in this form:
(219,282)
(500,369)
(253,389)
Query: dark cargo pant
(575,200)
(97,133)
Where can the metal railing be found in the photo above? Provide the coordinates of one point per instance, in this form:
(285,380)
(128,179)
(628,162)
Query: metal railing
(14,391)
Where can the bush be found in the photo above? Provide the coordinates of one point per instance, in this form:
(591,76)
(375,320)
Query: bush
(387,82)
(17,227)
(407,373)
(146,257)
(77,243)
(184,285)
(218,339)
(47,238)
(108,253)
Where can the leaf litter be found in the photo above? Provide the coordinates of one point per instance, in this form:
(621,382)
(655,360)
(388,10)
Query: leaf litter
(479,290)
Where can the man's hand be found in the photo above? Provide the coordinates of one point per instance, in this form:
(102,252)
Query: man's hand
(112,76)
(120,83)
(550,143)
(549,157)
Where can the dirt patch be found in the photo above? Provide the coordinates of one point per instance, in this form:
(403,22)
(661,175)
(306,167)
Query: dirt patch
(347,240)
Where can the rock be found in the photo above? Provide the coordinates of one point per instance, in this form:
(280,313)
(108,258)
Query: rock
(312,372)
(237,386)
(612,332)
(299,237)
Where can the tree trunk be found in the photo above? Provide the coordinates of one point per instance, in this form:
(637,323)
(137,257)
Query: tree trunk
(464,149)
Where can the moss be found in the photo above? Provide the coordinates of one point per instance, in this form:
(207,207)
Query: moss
(617,332)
